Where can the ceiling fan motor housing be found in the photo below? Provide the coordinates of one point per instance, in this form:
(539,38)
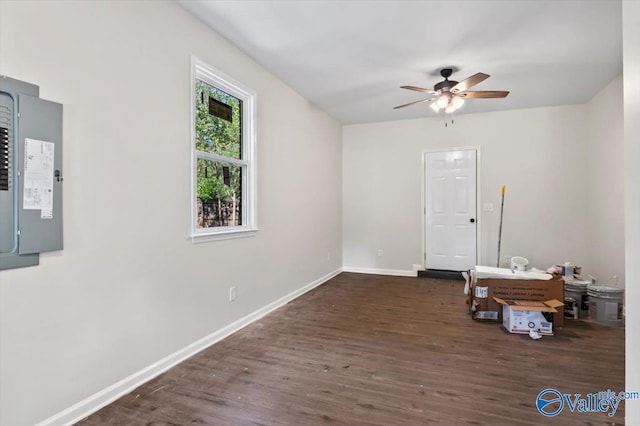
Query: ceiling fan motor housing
(446,85)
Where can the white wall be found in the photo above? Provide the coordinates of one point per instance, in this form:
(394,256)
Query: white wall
(605,184)
(129,288)
(631,55)
(539,154)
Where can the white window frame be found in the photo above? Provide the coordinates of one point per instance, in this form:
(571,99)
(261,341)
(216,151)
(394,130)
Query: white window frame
(208,74)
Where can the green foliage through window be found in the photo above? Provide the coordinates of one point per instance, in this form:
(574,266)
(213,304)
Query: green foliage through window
(214,134)
(219,182)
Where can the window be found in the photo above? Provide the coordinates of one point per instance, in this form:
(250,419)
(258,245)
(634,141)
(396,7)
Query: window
(223,156)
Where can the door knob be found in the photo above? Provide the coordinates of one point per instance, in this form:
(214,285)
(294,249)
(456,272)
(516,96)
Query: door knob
(472,220)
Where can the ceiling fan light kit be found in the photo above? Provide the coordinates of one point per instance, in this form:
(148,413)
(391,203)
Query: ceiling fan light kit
(450,95)
(444,100)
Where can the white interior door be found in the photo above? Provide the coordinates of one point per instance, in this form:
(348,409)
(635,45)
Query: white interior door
(450,210)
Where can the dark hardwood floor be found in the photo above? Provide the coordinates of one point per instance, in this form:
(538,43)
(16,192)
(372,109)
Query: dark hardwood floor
(377,350)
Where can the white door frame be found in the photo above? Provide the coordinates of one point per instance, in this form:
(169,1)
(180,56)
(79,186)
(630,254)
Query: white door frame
(424,201)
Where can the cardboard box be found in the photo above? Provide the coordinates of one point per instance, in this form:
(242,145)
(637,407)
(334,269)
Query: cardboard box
(482,290)
(523,316)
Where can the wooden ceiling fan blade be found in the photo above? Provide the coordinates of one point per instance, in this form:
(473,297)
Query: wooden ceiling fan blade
(419,89)
(484,94)
(412,103)
(469,82)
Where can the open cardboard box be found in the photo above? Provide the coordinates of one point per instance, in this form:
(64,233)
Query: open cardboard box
(523,316)
(483,307)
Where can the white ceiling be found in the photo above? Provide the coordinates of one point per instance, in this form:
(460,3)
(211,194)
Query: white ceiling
(350,57)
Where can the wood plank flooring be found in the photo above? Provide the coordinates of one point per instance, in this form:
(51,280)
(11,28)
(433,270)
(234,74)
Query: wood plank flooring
(378,350)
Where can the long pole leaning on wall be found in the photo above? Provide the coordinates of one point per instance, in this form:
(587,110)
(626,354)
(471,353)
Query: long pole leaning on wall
(502,190)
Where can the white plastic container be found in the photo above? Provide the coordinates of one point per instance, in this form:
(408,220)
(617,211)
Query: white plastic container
(519,263)
(577,290)
(605,304)
(567,270)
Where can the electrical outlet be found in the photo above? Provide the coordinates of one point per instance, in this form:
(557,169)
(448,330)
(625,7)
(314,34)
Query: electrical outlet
(380,253)
(232,293)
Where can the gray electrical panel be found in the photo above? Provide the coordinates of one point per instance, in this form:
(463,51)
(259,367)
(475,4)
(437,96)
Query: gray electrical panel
(30,174)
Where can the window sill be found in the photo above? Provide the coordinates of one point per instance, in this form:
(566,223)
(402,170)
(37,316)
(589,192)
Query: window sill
(223,235)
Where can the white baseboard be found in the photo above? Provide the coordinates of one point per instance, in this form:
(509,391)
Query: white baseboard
(106,396)
(375,271)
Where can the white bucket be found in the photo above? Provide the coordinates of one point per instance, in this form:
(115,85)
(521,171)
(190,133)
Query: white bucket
(605,304)
(577,289)
(519,263)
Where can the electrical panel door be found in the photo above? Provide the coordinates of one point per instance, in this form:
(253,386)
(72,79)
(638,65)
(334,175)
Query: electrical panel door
(30,174)
(40,122)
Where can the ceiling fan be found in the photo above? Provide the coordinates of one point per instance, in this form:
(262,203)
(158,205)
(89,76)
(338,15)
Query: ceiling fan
(450,95)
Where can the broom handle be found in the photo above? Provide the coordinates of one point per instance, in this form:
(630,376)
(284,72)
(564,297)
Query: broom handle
(500,228)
